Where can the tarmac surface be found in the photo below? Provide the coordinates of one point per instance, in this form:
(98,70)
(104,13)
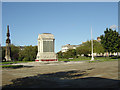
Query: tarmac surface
(62,75)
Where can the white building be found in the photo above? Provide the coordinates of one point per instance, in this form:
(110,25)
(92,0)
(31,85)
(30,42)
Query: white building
(68,46)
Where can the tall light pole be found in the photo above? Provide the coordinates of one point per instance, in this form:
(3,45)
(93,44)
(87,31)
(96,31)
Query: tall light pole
(92,59)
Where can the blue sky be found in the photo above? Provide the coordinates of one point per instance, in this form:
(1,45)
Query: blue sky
(69,22)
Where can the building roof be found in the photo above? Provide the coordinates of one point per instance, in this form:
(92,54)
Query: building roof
(68,45)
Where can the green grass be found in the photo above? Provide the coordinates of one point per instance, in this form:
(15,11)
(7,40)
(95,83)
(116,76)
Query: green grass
(11,66)
(14,62)
(103,59)
(96,59)
(75,59)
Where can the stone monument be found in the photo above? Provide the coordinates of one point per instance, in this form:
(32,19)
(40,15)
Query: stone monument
(8,51)
(46,48)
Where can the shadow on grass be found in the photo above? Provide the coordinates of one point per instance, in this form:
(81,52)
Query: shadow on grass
(115,57)
(69,79)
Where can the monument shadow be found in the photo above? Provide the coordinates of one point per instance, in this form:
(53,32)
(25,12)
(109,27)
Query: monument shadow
(69,79)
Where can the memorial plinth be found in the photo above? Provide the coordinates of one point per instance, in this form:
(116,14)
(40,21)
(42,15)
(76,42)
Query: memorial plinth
(46,48)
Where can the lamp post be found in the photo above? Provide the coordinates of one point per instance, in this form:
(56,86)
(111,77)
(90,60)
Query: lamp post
(92,59)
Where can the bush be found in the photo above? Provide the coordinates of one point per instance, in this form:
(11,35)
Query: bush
(26,59)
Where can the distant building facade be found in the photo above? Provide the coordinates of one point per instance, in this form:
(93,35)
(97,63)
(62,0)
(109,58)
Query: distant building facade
(46,48)
(68,46)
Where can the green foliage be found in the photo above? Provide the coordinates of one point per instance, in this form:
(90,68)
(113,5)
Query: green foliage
(14,62)
(27,58)
(14,52)
(103,59)
(97,59)
(85,48)
(110,40)
(28,54)
(59,54)
(75,59)
(11,66)
(97,47)
(0,53)
(3,53)
(71,53)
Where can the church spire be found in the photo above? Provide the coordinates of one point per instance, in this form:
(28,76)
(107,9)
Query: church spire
(8,51)
(8,35)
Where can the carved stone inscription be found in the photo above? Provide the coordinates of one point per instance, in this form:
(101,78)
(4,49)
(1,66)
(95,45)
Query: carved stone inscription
(48,46)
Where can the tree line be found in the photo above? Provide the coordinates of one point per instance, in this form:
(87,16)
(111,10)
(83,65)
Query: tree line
(27,54)
(84,48)
(110,43)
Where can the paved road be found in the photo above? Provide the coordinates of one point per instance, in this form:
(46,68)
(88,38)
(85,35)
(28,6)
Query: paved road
(58,75)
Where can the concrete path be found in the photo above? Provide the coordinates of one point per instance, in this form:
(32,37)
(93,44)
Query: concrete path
(62,75)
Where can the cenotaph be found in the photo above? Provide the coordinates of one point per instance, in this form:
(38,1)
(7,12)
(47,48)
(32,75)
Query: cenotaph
(46,48)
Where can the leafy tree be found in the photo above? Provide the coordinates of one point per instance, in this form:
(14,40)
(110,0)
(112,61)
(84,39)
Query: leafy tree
(0,53)
(14,52)
(71,53)
(21,55)
(97,47)
(119,43)
(3,53)
(110,40)
(60,54)
(28,54)
(85,48)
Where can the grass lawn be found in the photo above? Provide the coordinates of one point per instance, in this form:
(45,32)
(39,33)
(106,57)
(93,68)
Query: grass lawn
(75,59)
(11,66)
(104,59)
(96,59)
(14,62)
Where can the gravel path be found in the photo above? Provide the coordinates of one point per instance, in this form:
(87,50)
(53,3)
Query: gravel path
(62,75)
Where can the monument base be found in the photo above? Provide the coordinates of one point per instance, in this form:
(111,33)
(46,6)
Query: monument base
(46,57)
(47,60)
(7,58)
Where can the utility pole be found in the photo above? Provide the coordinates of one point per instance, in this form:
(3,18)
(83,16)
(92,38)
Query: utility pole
(92,59)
